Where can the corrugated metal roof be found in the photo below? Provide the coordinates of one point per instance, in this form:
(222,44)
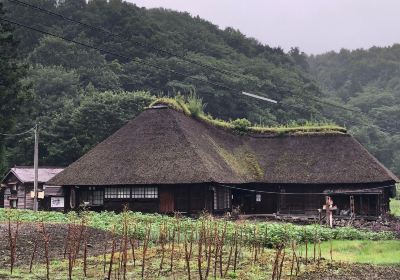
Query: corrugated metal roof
(26,174)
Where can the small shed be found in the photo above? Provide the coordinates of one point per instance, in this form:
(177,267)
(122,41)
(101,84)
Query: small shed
(17,187)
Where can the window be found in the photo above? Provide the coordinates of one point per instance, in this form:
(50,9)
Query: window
(117,192)
(123,192)
(151,192)
(91,197)
(138,192)
(258,197)
(222,198)
(98,198)
(134,192)
(111,193)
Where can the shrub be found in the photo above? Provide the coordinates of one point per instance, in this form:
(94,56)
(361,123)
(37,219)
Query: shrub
(241,125)
(195,105)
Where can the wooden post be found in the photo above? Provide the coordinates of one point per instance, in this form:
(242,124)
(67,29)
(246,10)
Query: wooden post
(35,167)
(352,208)
(329,207)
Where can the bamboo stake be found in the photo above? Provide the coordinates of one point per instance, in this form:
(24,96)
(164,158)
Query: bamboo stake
(216,249)
(104,257)
(209,242)
(187,257)
(200,245)
(112,254)
(46,249)
(162,242)
(145,245)
(221,249)
(230,254)
(33,255)
(281,264)
(172,250)
(66,244)
(236,250)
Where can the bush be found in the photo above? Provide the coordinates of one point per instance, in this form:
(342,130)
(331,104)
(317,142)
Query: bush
(195,105)
(241,125)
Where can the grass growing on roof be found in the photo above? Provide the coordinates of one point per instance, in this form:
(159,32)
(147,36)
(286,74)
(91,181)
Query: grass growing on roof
(194,107)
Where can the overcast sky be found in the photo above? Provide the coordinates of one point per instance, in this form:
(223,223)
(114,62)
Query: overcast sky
(316,26)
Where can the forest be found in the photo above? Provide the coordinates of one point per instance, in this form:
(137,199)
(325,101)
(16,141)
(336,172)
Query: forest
(83,75)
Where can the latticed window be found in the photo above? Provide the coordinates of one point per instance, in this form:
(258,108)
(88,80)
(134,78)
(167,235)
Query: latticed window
(98,198)
(111,192)
(124,192)
(222,199)
(151,192)
(118,192)
(138,192)
(91,197)
(131,192)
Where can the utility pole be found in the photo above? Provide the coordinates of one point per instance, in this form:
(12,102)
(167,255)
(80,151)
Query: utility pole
(35,167)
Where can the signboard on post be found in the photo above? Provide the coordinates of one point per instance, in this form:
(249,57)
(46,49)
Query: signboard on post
(57,202)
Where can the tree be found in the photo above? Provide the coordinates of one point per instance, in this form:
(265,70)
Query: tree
(11,72)
(300,58)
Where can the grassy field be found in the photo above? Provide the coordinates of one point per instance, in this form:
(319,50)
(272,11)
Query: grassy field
(363,251)
(352,251)
(395,207)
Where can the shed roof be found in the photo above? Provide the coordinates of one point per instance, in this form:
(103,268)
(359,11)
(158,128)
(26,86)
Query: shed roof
(163,146)
(26,174)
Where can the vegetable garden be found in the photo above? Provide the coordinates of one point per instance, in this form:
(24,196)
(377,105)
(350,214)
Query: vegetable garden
(106,245)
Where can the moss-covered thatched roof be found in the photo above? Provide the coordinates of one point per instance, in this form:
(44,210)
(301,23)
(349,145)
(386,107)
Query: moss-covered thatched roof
(312,128)
(165,146)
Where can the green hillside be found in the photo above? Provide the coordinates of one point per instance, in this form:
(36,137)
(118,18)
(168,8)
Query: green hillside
(81,95)
(368,81)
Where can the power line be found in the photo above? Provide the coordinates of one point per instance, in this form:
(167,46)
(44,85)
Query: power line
(118,55)
(328,192)
(17,134)
(144,45)
(176,72)
(368,124)
(103,30)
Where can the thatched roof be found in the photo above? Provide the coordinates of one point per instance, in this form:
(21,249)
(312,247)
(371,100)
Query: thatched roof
(163,146)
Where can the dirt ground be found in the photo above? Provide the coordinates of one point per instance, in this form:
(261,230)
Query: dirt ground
(58,234)
(346,271)
(390,223)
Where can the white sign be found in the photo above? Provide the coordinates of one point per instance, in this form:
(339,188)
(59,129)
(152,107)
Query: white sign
(57,202)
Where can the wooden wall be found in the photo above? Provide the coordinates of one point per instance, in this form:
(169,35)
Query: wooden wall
(191,199)
(23,193)
(6,201)
(172,198)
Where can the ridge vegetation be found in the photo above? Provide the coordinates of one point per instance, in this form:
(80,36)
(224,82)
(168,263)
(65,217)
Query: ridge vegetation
(193,106)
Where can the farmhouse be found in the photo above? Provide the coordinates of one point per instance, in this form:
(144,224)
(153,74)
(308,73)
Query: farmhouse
(166,161)
(17,185)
